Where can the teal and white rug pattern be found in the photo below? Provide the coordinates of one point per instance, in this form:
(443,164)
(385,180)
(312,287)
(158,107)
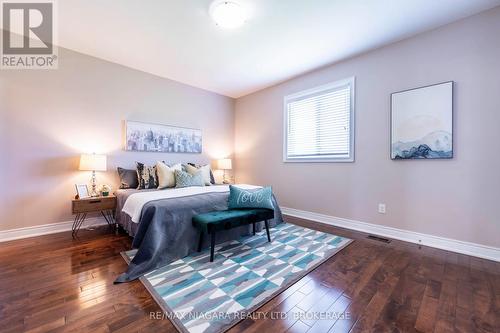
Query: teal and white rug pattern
(203,297)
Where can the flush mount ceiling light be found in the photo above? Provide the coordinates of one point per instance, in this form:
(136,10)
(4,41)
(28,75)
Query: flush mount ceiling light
(228,14)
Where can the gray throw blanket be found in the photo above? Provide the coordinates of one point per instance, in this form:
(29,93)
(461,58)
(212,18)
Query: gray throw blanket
(166,233)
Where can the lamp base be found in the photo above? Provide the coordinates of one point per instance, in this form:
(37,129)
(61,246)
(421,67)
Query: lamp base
(226,179)
(94,193)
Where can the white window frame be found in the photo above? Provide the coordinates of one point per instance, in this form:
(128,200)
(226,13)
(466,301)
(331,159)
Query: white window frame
(314,91)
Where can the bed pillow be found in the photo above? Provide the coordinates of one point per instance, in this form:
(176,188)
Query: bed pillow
(166,175)
(257,198)
(128,178)
(212,178)
(205,171)
(185,179)
(146,176)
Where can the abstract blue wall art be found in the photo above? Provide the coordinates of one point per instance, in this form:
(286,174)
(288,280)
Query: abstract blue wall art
(422,123)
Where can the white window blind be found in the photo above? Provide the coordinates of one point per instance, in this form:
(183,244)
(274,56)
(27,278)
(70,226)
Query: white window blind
(319,124)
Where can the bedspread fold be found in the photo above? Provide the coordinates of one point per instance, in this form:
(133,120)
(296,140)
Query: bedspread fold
(166,233)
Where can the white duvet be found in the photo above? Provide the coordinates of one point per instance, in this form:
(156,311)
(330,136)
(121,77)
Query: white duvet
(135,202)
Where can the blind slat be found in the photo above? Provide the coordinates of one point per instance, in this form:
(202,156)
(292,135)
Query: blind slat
(318,125)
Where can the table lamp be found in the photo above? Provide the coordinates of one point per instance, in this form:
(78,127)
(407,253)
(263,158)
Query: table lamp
(225,164)
(93,162)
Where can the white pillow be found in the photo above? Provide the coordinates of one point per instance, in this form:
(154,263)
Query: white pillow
(205,172)
(166,176)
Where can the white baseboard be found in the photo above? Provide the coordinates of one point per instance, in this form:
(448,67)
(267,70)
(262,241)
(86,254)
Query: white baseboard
(472,249)
(45,229)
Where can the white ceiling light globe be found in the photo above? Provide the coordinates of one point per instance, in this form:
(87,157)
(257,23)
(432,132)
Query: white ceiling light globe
(227,14)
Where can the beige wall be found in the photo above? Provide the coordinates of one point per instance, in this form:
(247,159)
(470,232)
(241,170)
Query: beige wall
(457,198)
(47,118)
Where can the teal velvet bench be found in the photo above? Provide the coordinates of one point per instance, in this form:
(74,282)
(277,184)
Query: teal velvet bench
(210,223)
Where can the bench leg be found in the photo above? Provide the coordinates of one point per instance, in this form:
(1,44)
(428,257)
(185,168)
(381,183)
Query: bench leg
(254,228)
(200,243)
(267,230)
(212,248)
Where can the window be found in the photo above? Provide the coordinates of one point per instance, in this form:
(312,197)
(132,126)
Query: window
(319,124)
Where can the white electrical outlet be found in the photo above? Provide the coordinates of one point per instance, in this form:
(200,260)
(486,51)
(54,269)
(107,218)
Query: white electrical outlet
(381,208)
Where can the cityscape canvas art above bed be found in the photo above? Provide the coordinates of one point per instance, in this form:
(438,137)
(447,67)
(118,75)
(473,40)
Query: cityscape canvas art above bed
(162,138)
(422,123)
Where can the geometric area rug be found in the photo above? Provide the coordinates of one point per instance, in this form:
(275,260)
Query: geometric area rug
(203,297)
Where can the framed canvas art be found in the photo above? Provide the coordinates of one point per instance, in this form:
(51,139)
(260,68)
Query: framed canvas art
(162,138)
(422,123)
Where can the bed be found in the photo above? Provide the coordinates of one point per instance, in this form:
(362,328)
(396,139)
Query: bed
(160,223)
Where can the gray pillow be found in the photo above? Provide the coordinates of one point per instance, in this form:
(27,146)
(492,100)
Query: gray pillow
(212,178)
(184,179)
(128,178)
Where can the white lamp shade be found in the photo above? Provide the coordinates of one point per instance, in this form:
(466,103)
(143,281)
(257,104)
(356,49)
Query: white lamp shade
(224,164)
(92,162)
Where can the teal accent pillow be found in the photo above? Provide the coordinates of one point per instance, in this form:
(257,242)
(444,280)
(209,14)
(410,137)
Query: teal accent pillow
(184,179)
(258,198)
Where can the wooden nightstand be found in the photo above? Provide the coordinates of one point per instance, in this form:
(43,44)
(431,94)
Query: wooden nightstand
(105,205)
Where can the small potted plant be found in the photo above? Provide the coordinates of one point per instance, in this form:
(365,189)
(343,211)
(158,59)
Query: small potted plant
(105,189)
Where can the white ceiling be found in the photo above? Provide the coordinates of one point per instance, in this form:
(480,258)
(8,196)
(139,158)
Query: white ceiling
(176,39)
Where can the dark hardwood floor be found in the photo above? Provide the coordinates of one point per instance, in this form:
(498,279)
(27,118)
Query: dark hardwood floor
(55,284)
